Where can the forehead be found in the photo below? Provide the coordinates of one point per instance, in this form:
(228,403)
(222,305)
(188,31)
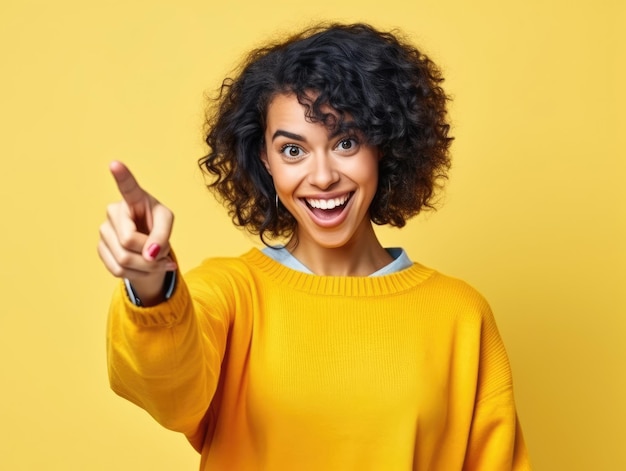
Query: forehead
(287,110)
(285,107)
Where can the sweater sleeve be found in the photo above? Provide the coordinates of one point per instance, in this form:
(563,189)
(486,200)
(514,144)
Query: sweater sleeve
(166,358)
(495,441)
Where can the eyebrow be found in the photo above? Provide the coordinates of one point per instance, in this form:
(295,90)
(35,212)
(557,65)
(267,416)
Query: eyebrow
(298,137)
(289,135)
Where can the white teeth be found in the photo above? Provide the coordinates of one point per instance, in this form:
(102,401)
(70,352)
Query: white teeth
(327,204)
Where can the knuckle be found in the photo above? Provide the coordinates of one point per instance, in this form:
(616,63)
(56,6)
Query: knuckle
(101,251)
(125,240)
(112,208)
(106,230)
(124,259)
(117,271)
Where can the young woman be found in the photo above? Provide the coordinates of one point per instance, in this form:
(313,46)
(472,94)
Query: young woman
(329,352)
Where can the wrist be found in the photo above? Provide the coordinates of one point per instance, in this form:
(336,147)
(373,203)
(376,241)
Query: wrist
(150,292)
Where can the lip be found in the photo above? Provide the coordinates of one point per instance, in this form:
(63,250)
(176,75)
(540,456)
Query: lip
(329,222)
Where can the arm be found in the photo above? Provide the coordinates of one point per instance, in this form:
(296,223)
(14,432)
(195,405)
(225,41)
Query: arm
(496,441)
(166,358)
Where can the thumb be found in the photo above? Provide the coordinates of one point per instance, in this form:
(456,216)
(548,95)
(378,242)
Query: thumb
(157,244)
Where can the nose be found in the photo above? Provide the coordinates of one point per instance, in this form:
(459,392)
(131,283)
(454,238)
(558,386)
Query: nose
(322,172)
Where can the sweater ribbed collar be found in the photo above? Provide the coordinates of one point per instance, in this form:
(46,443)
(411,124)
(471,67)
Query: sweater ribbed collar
(393,283)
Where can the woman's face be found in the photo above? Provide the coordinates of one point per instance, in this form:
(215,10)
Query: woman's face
(324,179)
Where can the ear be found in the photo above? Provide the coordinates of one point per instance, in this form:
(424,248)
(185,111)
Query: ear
(265,160)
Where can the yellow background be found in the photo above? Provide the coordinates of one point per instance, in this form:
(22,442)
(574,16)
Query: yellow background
(533,216)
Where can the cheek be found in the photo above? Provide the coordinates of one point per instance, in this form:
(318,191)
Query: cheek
(285,178)
(366,173)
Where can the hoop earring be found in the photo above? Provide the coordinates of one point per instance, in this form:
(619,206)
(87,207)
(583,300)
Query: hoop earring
(276,201)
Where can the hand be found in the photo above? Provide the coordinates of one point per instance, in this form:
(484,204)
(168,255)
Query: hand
(134,240)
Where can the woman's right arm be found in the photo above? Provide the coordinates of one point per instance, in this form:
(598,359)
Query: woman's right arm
(162,355)
(166,358)
(134,240)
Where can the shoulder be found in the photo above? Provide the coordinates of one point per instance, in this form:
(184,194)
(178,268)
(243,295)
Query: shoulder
(220,274)
(456,295)
(222,264)
(454,287)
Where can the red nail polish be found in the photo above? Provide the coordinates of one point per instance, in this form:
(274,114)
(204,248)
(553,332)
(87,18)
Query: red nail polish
(154,250)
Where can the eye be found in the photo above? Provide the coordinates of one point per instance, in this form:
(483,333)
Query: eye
(347,144)
(291,151)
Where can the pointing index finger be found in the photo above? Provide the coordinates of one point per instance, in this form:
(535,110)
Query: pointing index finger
(126,183)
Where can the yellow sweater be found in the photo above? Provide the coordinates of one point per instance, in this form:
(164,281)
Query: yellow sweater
(266,368)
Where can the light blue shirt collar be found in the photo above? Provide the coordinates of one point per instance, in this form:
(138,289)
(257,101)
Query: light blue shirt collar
(282,255)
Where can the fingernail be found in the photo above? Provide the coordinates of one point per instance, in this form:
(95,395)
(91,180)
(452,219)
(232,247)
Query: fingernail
(154,250)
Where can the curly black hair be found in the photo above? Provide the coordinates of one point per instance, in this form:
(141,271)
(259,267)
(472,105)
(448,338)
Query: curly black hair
(390,90)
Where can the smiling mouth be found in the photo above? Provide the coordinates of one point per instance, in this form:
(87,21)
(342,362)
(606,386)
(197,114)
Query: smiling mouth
(327,208)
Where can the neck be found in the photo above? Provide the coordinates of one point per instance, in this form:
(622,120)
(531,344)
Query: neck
(361,256)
